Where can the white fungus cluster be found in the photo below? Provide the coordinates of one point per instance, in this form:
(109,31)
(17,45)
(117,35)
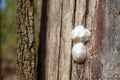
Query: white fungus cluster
(79,52)
(80,35)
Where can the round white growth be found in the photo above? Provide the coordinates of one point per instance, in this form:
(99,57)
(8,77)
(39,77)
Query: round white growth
(80,34)
(79,52)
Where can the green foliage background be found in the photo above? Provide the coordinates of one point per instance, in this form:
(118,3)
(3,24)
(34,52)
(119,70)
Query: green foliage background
(8,27)
(8,37)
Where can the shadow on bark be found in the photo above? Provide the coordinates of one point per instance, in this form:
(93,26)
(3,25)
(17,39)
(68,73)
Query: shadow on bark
(42,42)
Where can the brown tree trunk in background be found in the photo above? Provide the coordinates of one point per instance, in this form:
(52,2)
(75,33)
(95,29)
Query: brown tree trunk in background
(26,53)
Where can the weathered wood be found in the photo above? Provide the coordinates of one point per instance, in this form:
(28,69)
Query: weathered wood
(111,41)
(94,21)
(79,19)
(50,39)
(58,18)
(67,16)
(26,55)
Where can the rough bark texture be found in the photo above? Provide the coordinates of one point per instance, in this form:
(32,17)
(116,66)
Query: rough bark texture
(26,55)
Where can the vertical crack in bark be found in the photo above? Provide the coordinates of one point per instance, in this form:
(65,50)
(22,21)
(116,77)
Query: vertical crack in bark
(86,11)
(73,24)
(74,12)
(42,42)
(60,39)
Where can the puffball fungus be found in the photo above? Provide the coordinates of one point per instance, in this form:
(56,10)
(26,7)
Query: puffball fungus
(80,34)
(79,52)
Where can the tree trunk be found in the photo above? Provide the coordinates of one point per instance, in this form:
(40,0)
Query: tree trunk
(26,53)
(58,18)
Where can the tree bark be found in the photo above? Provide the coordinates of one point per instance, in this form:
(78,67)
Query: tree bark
(58,18)
(26,53)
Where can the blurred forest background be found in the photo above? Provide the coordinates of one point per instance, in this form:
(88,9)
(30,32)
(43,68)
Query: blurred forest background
(8,39)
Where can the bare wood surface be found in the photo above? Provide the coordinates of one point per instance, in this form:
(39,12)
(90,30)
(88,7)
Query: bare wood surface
(50,40)
(77,72)
(94,22)
(98,16)
(65,38)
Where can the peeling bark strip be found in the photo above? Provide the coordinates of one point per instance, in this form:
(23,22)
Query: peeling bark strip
(26,56)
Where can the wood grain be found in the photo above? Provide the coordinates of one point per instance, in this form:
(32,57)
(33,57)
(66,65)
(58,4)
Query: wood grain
(59,17)
(65,37)
(111,41)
